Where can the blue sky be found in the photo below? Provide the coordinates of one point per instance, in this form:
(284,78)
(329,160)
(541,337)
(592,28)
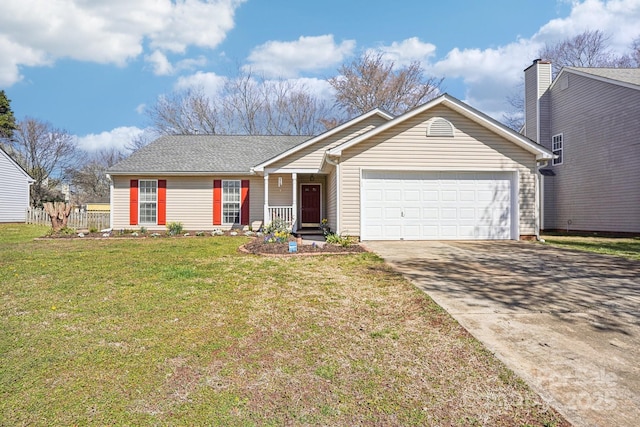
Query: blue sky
(92,67)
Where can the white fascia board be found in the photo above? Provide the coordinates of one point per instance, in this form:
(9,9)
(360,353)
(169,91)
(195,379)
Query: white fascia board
(377,111)
(461,108)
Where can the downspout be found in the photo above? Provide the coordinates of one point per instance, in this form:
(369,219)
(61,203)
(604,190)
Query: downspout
(110,201)
(337,165)
(540,200)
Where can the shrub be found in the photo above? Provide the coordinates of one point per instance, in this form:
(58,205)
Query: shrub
(93,229)
(336,239)
(174,228)
(143,230)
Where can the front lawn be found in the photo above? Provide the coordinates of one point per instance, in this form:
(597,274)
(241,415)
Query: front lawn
(618,246)
(190,331)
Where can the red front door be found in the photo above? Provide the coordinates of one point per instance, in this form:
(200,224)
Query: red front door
(310,205)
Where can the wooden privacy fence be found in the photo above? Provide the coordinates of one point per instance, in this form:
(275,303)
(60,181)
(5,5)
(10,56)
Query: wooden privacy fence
(77,220)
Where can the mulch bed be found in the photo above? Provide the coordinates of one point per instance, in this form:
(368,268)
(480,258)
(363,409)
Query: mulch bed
(259,246)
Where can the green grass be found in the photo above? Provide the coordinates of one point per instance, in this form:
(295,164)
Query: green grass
(618,246)
(192,332)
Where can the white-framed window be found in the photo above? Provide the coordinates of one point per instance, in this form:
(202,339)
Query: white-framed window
(231,191)
(557,148)
(148,201)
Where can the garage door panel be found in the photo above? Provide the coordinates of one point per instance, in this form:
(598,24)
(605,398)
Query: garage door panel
(437,205)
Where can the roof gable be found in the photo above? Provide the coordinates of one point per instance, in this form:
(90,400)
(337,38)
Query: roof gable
(16,165)
(323,136)
(625,77)
(463,109)
(205,154)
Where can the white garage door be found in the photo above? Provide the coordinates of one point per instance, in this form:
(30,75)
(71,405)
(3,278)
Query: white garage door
(437,205)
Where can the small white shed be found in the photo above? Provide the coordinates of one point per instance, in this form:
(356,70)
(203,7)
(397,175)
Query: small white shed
(14,189)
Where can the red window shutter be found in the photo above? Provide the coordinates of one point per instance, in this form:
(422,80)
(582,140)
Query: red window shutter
(162,202)
(217,202)
(244,202)
(133,202)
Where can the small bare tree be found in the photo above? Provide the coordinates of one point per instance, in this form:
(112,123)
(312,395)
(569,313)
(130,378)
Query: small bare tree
(371,82)
(45,152)
(90,181)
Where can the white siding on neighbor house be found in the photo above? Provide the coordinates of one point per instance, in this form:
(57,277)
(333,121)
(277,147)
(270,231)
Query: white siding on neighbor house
(406,147)
(311,157)
(14,190)
(597,188)
(189,200)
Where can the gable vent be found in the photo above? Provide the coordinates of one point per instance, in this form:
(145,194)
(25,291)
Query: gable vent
(440,127)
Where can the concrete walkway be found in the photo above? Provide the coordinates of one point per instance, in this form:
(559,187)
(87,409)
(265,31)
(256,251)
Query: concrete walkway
(566,322)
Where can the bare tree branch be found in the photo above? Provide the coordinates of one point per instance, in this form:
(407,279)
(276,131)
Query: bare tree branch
(371,82)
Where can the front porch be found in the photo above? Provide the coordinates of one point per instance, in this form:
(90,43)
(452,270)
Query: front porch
(298,199)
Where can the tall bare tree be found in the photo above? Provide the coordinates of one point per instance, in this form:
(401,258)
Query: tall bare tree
(45,152)
(186,113)
(587,49)
(247,104)
(371,82)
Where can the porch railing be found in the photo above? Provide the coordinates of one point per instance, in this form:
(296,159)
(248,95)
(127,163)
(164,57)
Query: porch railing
(284,213)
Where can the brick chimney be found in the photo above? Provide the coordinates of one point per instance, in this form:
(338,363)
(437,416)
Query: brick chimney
(537,79)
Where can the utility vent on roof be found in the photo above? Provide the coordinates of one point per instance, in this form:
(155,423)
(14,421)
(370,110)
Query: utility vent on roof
(440,127)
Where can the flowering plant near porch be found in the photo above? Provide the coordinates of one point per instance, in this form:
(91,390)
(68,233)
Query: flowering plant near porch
(324,226)
(276,231)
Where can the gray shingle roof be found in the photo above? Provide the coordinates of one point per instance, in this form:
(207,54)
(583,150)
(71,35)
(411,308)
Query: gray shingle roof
(205,153)
(627,75)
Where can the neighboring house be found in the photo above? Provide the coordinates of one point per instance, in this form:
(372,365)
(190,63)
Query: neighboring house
(14,189)
(590,118)
(440,171)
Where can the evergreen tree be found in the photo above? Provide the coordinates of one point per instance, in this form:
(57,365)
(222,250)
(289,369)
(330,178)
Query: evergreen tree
(7,120)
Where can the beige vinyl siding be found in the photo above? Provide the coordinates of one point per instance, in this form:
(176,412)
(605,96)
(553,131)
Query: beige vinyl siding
(189,200)
(14,191)
(280,196)
(406,147)
(311,157)
(597,186)
(332,200)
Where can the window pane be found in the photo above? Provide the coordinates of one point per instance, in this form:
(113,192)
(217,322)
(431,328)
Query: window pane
(148,197)
(231,192)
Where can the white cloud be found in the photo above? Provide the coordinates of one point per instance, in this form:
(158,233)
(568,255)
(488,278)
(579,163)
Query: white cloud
(160,64)
(490,75)
(211,83)
(118,138)
(288,59)
(141,108)
(407,51)
(37,32)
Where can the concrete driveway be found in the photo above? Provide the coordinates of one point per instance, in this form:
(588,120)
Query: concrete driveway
(566,322)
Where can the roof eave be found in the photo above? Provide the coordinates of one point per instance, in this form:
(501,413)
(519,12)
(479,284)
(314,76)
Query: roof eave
(376,111)
(180,173)
(459,107)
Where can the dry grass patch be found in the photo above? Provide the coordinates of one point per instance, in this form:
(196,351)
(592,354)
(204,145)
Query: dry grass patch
(191,332)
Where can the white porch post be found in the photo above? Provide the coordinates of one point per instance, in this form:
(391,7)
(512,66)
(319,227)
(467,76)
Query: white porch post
(266,199)
(294,214)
